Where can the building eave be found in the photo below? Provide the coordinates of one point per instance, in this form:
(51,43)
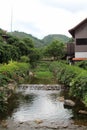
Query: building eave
(72,31)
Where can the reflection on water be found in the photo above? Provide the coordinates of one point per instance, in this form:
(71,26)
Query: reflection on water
(40,104)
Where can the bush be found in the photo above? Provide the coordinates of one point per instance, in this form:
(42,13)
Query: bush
(14,71)
(4,79)
(82,64)
(73,77)
(63,72)
(79,85)
(3,103)
(24,59)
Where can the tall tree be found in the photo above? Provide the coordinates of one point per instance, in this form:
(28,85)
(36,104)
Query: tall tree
(56,50)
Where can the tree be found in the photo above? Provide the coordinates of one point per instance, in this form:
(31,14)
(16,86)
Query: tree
(8,52)
(5,54)
(15,53)
(34,56)
(28,42)
(11,40)
(23,48)
(55,50)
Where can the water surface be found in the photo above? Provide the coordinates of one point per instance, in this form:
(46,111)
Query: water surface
(40,104)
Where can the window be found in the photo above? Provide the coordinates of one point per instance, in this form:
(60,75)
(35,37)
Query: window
(81,41)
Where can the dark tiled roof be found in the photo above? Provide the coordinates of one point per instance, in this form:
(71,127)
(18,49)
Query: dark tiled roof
(72,31)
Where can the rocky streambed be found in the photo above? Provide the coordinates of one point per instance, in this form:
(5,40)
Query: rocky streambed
(41,125)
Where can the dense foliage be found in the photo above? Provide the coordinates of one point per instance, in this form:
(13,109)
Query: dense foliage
(11,73)
(13,48)
(56,50)
(82,64)
(73,77)
(21,35)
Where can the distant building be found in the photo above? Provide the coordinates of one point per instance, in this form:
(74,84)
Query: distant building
(78,49)
(4,35)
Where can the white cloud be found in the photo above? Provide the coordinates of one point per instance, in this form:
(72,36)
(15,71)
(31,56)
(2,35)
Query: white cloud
(42,17)
(70,5)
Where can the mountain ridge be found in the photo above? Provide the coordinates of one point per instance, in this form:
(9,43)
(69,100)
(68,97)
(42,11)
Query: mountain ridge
(51,37)
(41,42)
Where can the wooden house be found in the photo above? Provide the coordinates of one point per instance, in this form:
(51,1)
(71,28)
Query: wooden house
(79,34)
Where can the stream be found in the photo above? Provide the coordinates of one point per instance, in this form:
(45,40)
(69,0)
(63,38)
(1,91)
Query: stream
(39,105)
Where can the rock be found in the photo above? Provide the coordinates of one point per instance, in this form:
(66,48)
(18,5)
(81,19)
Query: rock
(4,123)
(61,99)
(31,74)
(1,88)
(38,121)
(65,126)
(11,86)
(21,122)
(69,103)
(82,112)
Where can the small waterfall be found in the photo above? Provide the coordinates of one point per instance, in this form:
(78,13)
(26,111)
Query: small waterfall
(39,87)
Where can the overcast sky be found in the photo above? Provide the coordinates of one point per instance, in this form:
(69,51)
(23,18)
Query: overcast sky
(42,17)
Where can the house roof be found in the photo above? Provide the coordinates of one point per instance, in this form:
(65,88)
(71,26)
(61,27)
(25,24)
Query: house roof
(79,59)
(72,31)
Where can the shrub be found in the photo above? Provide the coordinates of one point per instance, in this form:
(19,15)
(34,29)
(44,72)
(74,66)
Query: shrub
(13,69)
(79,85)
(82,64)
(24,59)
(73,77)
(3,103)
(8,72)
(64,72)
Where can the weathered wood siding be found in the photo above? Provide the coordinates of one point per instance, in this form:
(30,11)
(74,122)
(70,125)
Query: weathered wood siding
(81,50)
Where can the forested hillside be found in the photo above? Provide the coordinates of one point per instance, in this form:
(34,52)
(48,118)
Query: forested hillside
(42,42)
(48,39)
(37,42)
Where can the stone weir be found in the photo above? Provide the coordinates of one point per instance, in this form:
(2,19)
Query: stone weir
(40,86)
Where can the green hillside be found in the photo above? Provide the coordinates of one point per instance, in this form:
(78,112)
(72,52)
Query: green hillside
(48,39)
(37,42)
(42,42)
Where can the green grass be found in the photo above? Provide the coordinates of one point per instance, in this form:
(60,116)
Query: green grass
(42,70)
(44,74)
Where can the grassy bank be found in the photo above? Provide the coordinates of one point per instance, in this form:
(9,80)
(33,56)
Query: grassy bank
(12,71)
(75,78)
(42,74)
(10,74)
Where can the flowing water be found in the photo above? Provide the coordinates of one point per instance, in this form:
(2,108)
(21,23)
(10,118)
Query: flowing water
(35,102)
(41,104)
